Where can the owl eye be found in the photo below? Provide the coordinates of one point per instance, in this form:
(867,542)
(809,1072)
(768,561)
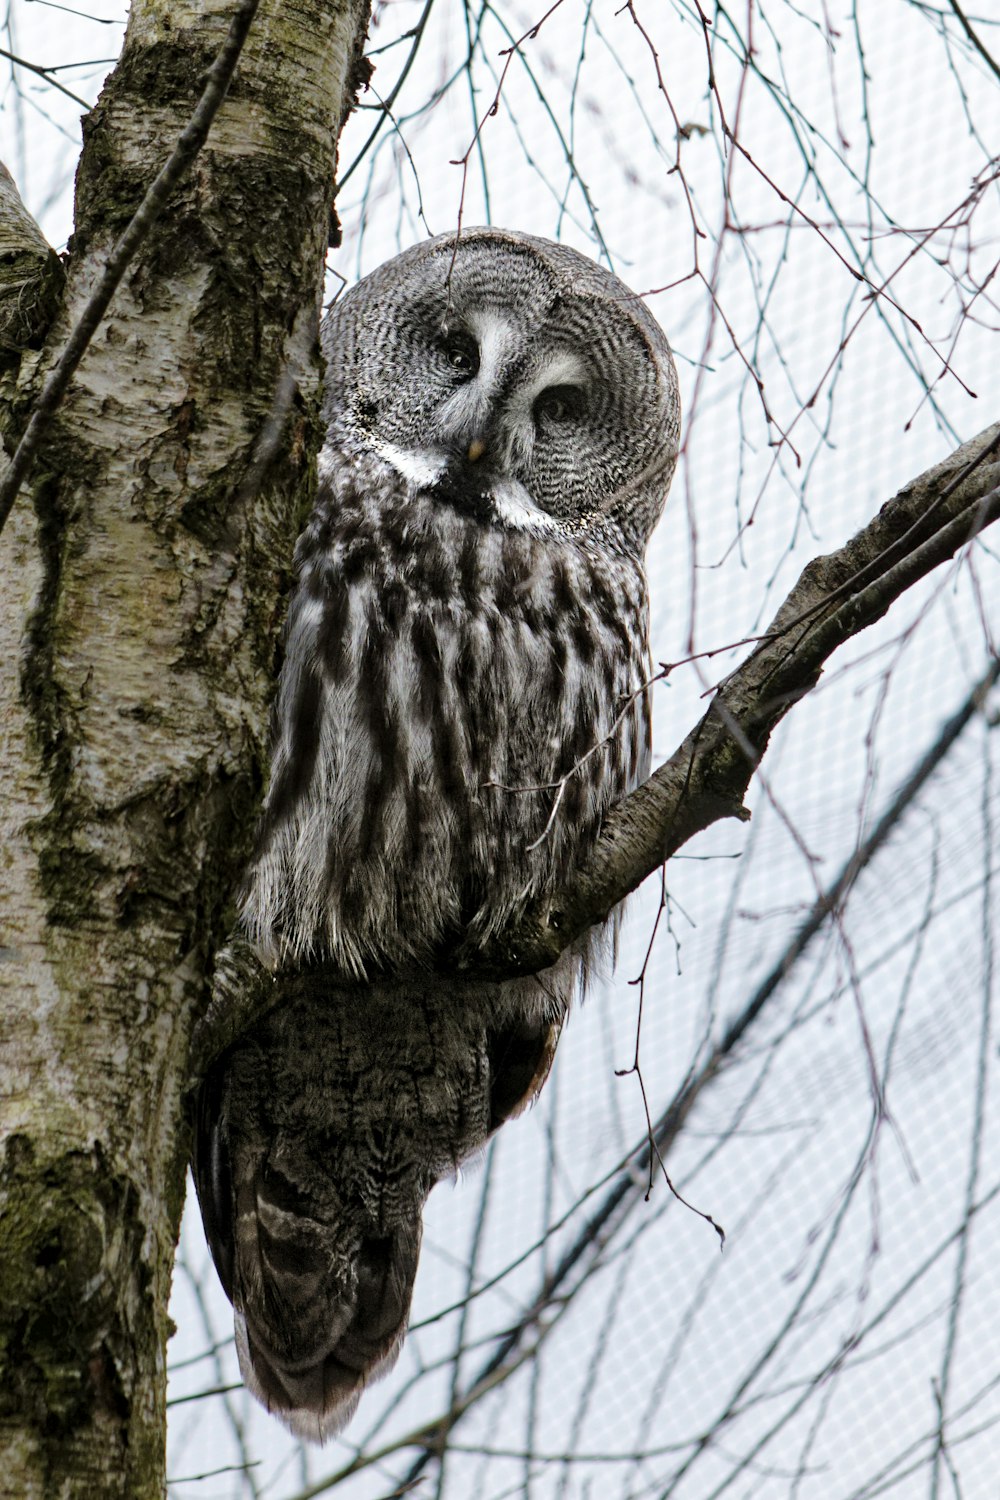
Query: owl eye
(560,403)
(461,353)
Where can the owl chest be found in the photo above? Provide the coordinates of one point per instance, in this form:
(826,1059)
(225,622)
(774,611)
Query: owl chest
(461,655)
(458,707)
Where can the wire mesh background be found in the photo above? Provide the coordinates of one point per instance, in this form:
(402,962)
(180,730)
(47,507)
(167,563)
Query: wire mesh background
(576,1331)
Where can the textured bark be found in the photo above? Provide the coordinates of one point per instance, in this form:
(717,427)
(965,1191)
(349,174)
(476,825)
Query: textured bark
(143,581)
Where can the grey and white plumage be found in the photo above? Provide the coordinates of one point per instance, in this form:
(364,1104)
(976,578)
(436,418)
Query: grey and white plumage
(461,699)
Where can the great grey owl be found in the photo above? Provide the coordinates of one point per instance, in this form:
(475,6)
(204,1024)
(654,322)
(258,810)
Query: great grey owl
(461,699)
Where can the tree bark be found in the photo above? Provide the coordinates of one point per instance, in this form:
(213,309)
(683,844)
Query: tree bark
(143,582)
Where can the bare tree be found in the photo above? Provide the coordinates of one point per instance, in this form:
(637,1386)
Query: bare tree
(159,396)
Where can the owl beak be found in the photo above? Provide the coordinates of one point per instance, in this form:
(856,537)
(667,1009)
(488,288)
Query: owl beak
(475,450)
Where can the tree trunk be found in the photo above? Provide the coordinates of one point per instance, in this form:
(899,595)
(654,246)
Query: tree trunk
(139,614)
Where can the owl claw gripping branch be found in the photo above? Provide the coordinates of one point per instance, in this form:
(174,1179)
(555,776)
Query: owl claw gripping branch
(469,622)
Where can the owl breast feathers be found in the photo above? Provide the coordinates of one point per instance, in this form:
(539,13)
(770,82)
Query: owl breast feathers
(467,641)
(462,698)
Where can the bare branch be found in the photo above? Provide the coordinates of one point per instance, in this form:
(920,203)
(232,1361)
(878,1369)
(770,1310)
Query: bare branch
(627,1188)
(974,38)
(46,73)
(706,778)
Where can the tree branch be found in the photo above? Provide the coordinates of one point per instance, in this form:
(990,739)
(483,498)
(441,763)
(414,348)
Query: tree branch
(706,778)
(627,1189)
(974,38)
(47,73)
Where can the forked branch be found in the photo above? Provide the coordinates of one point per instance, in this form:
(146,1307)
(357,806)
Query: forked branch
(836,596)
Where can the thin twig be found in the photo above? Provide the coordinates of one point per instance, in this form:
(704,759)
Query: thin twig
(46,73)
(416,33)
(629,1185)
(974,38)
(707,776)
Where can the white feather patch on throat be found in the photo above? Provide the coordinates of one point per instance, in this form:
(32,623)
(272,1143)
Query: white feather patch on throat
(420,466)
(513,505)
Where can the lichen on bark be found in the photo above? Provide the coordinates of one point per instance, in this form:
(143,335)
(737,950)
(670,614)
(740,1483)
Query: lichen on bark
(138,640)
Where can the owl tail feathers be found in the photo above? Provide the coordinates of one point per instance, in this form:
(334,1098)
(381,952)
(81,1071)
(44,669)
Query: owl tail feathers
(354,1338)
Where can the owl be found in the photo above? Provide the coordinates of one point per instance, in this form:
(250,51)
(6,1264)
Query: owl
(463,695)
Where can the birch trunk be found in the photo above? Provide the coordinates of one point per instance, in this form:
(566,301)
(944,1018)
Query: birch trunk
(142,589)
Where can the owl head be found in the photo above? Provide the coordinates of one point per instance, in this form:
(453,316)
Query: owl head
(516,377)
